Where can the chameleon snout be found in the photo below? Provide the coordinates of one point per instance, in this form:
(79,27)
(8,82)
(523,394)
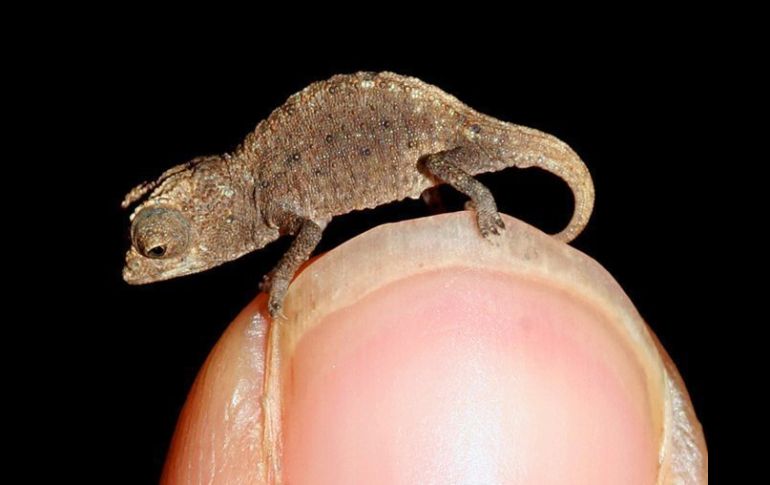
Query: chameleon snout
(132,271)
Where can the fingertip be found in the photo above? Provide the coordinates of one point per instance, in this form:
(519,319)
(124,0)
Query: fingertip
(417,352)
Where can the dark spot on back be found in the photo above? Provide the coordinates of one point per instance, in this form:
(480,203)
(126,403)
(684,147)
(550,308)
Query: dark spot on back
(475,128)
(293,158)
(385,123)
(366,152)
(329,138)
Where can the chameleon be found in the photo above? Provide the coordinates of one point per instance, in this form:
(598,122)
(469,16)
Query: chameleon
(351,142)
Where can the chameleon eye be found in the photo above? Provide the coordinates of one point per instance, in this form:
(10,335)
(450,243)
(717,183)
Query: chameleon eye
(156,251)
(160,232)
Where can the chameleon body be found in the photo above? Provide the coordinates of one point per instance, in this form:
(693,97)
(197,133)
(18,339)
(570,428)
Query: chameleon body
(348,143)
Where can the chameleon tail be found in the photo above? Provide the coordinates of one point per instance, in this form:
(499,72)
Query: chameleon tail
(570,168)
(518,146)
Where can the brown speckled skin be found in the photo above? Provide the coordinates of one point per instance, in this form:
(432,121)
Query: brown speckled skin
(351,142)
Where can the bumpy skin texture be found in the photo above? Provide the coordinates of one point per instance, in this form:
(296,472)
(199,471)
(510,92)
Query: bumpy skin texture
(351,142)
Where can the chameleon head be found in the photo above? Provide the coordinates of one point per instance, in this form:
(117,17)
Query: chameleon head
(194,218)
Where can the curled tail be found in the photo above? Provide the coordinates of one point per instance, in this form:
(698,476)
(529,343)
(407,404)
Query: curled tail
(509,145)
(579,180)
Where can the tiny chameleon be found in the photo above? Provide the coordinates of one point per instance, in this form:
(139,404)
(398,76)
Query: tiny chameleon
(351,142)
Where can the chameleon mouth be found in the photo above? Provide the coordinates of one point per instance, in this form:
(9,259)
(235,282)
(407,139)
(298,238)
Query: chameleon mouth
(140,270)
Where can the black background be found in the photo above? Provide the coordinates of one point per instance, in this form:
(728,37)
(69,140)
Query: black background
(628,111)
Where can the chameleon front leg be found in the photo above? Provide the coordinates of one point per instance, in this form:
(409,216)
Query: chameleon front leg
(276,283)
(445,166)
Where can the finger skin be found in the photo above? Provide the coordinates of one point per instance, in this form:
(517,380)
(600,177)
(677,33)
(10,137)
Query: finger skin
(218,438)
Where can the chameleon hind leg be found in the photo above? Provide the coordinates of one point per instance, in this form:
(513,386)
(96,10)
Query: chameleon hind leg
(445,166)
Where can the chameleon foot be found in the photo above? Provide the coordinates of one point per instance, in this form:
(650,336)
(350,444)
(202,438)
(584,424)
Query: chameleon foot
(276,294)
(488,219)
(490,223)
